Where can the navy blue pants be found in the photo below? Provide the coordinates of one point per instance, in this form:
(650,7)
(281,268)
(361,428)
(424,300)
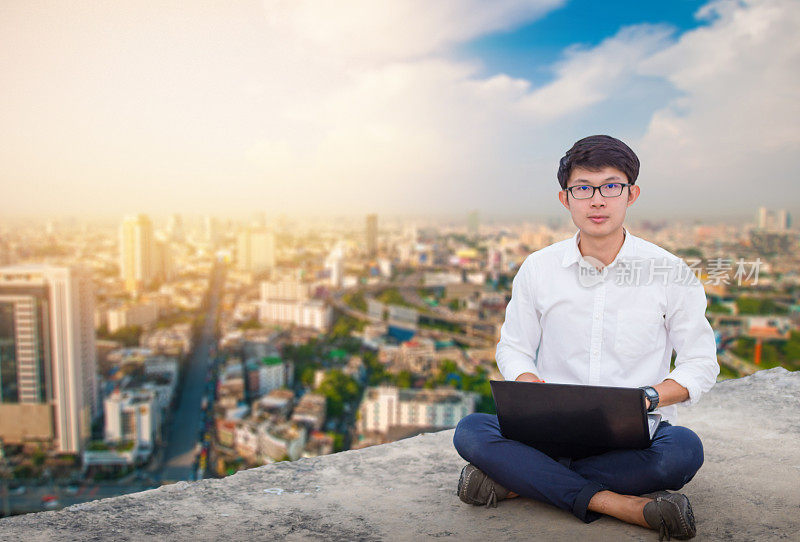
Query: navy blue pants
(673,458)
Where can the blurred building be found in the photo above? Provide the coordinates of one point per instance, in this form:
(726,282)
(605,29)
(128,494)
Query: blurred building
(137,258)
(133,416)
(211,230)
(774,221)
(289,302)
(162,258)
(48,381)
(335,266)
(175,229)
(140,314)
(384,408)
(266,374)
(473,224)
(310,411)
(255,249)
(372,235)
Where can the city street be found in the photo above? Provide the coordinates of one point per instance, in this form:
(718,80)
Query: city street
(31,500)
(185,426)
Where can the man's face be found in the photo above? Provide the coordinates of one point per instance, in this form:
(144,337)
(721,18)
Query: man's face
(598,216)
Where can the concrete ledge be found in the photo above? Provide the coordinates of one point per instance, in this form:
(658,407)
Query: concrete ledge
(748,489)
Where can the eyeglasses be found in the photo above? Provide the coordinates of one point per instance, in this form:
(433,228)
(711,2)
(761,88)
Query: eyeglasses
(586,191)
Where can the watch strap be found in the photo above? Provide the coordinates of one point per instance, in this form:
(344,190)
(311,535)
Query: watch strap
(652,395)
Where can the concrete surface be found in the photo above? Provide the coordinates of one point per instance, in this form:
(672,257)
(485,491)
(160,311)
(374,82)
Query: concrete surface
(748,489)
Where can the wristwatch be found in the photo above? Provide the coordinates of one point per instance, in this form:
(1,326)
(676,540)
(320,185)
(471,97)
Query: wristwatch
(651,394)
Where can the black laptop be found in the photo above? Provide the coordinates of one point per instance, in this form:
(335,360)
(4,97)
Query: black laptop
(571,420)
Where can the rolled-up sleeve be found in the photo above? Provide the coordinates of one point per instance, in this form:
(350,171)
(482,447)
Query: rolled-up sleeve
(521,331)
(696,366)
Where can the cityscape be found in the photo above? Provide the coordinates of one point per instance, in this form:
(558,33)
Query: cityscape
(256,257)
(150,350)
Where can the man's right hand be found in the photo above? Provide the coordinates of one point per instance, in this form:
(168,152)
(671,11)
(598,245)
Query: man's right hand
(528,377)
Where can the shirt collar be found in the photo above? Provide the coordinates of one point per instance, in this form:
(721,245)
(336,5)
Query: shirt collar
(573,254)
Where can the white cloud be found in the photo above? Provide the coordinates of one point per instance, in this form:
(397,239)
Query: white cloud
(425,130)
(588,76)
(731,139)
(388,30)
(359,105)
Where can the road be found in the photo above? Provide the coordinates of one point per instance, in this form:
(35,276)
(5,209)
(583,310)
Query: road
(185,426)
(736,363)
(31,499)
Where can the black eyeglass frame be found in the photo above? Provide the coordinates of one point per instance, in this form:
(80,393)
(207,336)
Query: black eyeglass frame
(595,188)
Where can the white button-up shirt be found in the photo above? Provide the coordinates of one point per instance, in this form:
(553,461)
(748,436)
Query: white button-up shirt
(570,324)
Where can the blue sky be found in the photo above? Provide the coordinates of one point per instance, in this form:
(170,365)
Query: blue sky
(530,50)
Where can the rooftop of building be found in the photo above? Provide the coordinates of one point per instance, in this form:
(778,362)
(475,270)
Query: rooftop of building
(414,395)
(271,360)
(748,489)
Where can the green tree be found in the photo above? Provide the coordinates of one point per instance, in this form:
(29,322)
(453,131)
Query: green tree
(403,379)
(307,376)
(345,325)
(791,349)
(355,300)
(339,389)
(252,323)
(38,457)
(392,296)
(718,308)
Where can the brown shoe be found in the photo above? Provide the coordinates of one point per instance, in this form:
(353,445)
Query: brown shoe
(474,487)
(671,515)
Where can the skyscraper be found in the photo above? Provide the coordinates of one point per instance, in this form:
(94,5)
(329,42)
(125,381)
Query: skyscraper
(211,230)
(48,383)
(255,249)
(175,229)
(372,235)
(774,221)
(137,265)
(783,222)
(162,258)
(761,218)
(473,224)
(334,264)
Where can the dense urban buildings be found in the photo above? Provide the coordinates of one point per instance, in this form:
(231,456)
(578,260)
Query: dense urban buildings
(274,339)
(48,367)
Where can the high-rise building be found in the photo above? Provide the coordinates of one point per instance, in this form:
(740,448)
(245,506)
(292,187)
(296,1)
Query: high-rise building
(774,221)
(137,259)
(132,416)
(335,265)
(175,229)
(372,235)
(473,224)
(162,258)
(783,220)
(211,230)
(48,382)
(255,249)
(761,218)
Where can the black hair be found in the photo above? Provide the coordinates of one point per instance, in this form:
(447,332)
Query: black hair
(596,152)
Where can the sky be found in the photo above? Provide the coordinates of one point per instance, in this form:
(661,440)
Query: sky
(318,107)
